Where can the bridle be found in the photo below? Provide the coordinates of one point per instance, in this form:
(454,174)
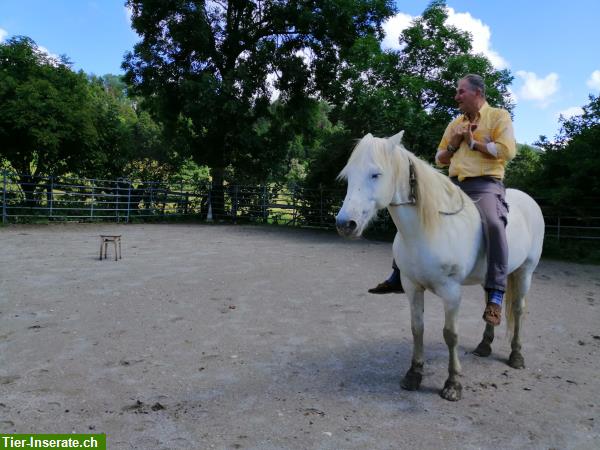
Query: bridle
(412,181)
(412,197)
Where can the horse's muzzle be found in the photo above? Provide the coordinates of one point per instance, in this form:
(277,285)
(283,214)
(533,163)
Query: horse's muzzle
(346,228)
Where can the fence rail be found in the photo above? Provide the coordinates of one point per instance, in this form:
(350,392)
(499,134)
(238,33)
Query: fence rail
(61,198)
(68,198)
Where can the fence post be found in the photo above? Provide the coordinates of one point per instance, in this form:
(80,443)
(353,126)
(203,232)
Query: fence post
(152,198)
(51,195)
(117,195)
(264,204)
(181,207)
(4,218)
(93,199)
(558,231)
(128,201)
(235,203)
(321,203)
(295,214)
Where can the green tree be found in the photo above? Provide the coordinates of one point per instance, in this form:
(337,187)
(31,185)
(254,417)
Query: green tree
(522,171)
(409,89)
(130,143)
(46,120)
(204,68)
(571,162)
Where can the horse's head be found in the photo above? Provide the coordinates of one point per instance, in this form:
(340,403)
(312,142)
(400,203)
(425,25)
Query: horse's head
(370,172)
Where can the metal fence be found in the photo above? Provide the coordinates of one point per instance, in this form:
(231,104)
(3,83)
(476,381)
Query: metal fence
(63,198)
(26,199)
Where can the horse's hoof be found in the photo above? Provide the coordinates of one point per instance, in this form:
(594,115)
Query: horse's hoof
(483,350)
(411,381)
(452,391)
(516,360)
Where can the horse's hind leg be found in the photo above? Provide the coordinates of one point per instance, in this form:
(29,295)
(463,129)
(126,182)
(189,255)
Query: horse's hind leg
(412,379)
(485,346)
(452,388)
(518,286)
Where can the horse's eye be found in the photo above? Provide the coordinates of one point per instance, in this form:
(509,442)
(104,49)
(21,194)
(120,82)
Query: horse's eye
(375,176)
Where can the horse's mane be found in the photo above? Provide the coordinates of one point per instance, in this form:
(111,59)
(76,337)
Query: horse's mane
(435,192)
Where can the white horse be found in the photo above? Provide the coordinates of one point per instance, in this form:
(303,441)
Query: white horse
(439,245)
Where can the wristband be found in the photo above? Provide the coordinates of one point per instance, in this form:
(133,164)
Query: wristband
(451,149)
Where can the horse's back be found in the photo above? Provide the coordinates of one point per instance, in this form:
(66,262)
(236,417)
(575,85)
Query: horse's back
(525,229)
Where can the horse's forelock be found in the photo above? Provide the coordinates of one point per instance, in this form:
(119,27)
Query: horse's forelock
(363,148)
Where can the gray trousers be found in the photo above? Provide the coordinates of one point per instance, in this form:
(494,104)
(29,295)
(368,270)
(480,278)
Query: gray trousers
(488,194)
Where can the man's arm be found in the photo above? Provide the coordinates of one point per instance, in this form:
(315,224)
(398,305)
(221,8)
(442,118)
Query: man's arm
(450,143)
(503,144)
(443,157)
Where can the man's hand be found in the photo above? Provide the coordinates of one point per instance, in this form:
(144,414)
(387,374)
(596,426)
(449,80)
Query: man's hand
(468,133)
(458,134)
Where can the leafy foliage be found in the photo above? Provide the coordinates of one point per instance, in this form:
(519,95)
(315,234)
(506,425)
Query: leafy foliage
(209,70)
(409,89)
(571,163)
(521,172)
(46,119)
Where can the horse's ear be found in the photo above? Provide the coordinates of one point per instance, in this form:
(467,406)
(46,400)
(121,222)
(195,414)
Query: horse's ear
(396,139)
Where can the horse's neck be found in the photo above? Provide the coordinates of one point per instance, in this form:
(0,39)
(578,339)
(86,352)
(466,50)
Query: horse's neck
(406,219)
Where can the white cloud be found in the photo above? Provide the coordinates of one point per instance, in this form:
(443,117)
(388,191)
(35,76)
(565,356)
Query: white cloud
(570,112)
(393,27)
(537,89)
(480,33)
(271,80)
(3,34)
(128,13)
(48,53)
(512,94)
(481,36)
(593,82)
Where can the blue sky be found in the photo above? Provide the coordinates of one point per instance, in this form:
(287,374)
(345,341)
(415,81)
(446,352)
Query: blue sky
(551,47)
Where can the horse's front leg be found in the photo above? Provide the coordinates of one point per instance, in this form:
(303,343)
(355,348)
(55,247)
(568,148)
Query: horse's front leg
(452,388)
(412,379)
(484,348)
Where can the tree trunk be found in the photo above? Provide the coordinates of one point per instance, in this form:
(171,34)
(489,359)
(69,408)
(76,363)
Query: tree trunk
(217,196)
(28,185)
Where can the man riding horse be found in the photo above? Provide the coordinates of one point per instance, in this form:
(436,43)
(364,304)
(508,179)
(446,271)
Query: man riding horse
(477,145)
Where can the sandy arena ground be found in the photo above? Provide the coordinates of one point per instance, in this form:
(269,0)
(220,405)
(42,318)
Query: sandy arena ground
(265,338)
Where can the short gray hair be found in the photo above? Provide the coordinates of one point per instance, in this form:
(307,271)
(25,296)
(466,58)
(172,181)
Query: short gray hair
(476,82)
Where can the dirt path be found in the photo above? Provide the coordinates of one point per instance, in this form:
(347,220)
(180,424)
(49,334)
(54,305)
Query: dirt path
(264,338)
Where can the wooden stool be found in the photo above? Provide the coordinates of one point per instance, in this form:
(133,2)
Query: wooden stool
(104,241)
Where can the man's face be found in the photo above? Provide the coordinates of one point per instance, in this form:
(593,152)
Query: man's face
(466,97)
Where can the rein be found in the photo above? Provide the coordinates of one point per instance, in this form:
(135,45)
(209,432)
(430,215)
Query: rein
(412,198)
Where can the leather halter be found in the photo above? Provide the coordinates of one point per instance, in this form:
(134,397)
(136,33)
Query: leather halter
(412,197)
(412,181)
